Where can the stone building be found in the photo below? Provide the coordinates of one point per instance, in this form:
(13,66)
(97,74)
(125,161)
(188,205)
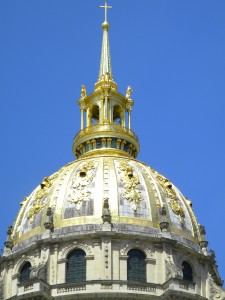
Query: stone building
(107,226)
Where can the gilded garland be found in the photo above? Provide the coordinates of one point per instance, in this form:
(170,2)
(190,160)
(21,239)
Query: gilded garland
(82,178)
(131,184)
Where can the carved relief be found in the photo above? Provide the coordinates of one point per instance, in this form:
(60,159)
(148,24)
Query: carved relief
(82,178)
(125,247)
(1,289)
(38,202)
(171,270)
(56,192)
(215,292)
(39,272)
(106,255)
(171,194)
(131,184)
(75,245)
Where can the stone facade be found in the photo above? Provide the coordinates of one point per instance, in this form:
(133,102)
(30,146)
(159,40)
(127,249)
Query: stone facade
(106,266)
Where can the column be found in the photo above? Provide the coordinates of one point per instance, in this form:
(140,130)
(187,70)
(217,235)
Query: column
(101,112)
(123,267)
(53,267)
(88,118)
(82,119)
(106,108)
(123,123)
(129,121)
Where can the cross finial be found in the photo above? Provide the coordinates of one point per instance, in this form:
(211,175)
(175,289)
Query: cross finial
(105,7)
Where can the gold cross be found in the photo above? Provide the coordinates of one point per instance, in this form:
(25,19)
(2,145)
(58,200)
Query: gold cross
(105,7)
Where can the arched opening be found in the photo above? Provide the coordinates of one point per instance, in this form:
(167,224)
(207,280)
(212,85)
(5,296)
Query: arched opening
(117,115)
(136,266)
(76,266)
(25,272)
(95,115)
(187,271)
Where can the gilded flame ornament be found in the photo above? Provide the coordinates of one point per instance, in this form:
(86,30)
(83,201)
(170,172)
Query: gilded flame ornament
(131,184)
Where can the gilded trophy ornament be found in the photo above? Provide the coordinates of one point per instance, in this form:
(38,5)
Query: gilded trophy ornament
(38,202)
(171,194)
(131,184)
(82,178)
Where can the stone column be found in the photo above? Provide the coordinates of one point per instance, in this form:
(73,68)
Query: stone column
(8,288)
(150,270)
(107,257)
(115,261)
(123,267)
(90,275)
(98,259)
(53,266)
(160,275)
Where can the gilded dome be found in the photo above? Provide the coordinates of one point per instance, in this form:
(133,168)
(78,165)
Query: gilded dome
(83,191)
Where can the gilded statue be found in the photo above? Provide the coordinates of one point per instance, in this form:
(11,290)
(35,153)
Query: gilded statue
(129,92)
(83,92)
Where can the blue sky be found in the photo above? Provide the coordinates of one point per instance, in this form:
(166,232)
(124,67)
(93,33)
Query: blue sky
(171,52)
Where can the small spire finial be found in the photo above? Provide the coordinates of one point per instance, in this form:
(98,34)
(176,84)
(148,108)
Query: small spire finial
(105,7)
(105,63)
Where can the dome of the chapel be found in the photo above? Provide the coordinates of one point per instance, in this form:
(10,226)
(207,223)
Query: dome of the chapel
(135,194)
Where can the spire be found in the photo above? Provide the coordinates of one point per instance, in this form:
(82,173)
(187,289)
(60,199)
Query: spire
(105,114)
(105,63)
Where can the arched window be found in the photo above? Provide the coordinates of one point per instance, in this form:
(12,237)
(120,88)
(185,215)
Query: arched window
(117,115)
(95,115)
(76,266)
(187,271)
(136,266)
(25,272)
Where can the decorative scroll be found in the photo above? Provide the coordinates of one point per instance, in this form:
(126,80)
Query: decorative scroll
(171,194)
(131,184)
(38,202)
(81,180)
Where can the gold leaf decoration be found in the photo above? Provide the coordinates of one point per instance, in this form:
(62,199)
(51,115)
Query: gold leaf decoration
(131,184)
(171,194)
(81,180)
(38,202)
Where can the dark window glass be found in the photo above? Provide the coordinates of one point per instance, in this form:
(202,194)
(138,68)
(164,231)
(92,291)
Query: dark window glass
(136,266)
(187,271)
(25,272)
(76,266)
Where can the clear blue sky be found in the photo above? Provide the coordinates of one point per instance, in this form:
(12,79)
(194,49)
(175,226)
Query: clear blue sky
(171,52)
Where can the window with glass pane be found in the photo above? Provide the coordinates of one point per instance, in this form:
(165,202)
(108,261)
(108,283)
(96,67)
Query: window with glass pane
(76,266)
(136,266)
(187,271)
(25,272)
